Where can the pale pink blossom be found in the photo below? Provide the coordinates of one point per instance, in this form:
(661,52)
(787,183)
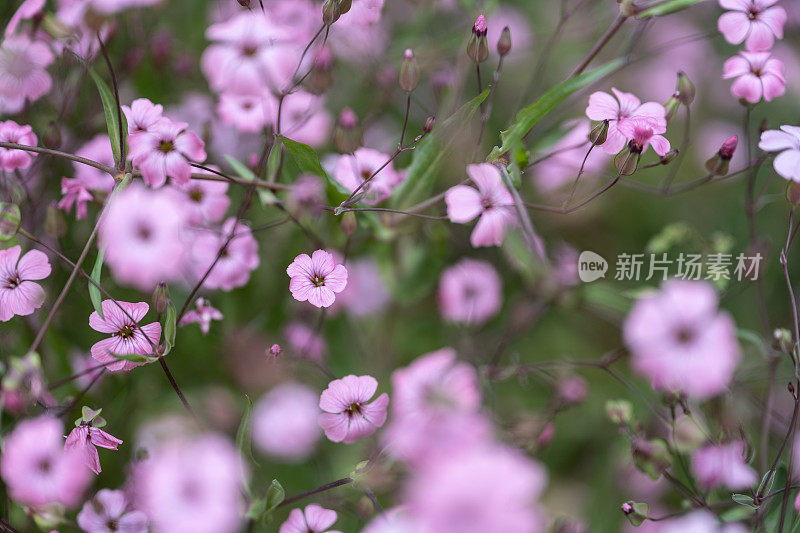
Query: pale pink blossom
(756,22)
(619,108)
(28,9)
(573,390)
(643,132)
(247,112)
(366,293)
(84,439)
(35,467)
(164,151)
(202,314)
(723,465)
(787,142)
(316,279)
(127,336)
(313,519)
(680,341)
(77,191)
(23,74)
(304,119)
(143,116)
(757,74)
(491,202)
(204,201)
(349,415)
(470,292)
(19,294)
(305,342)
(562,168)
(394,520)
(86,368)
(23,385)
(285,422)
(363,12)
(110,512)
(700,521)
(352,170)
(307,195)
(234,266)
(11,132)
(141,235)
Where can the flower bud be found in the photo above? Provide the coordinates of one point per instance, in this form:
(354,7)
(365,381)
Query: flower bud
(52,136)
(627,162)
(783,340)
(685,90)
(478,47)
(599,133)
(504,42)
(349,223)
(160,298)
(670,156)
(635,512)
(273,352)
(347,134)
(10,219)
(409,72)
(728,147)
(793,192)
(331,12)
(344,6)
(430,122)
(671,107)
(620,412)
(54,224)
(718,165)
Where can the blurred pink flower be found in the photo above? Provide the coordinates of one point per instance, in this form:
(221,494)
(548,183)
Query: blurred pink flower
(19,295)
(723,465)
(202,314)
(35,467)
(143,116)
(680,341)
(349,416)
(110,511)
(573,390)
(141,236)
(352,170)
(307,195)
(394,520)
(491,202)
(166,150)
(305,342)
(84,439)
(787,142)
(305,119)
(758,76)
(127,336)
(314,519)
(366,293)
(644,132)
(237,262)
(204,201)
(470,292)
(363,12)
(249,113)
(23,74)
(755,21)
(192,485)
(285,422)
(86,368)
(23,385)
(28,9)
(700,521)
(11,132)
(562,168)
(617,110)
(316,279)
(77,191)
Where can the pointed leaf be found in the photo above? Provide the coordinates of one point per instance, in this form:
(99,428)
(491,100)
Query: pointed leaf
(94,292)
(111,113)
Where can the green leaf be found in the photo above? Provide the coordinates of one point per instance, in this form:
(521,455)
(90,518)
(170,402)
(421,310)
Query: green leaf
(94,292)
(243,433)
(133,357)
(305,157)
(274,160)
(170,328)
(528,117)
(112,114)
(665,8)
(744,499)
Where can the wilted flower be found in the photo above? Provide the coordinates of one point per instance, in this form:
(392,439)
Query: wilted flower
(85,438)
(202,314)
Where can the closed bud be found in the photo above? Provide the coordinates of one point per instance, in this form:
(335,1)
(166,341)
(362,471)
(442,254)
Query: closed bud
(728,147)
(321,79)
(478,47)
(685,89)
(793,192)
(244,3)
(430,122)
(52,136)
(273,352)
(331,12)
(790,388)
(480,28)
(409,72)
(349,223)
(636,512)
(504,42)
(627,162)
(783,340)
(10,219)
(347,134)
(54,224)
(344,6)
(160,298)
(720,163)
(599,133)
(670,156)
(671,107)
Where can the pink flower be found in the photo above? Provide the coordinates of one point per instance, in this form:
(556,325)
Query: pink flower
(84,439)
(141,236)
(11,132)
(680,340)
(109,511)
(758,76)
(307,195)
(701,521)
(366,293)
(352,170)
(192,486)
(166,151)
(35,467)
(144,116)
(573,390)
(642,133)
(363,12)
(787,142)
(304,119)
(24,385)
(470,292)
(22,71)
(28,9)
(314,519)
(723,465)
(305,342)
(127,336)
(19,295)
(77,191)
(755,21)
(562,168)
(316,279)
(249,113)
(492,202)
(348,416)
(619,108)
(237,262)
(204,200)
(285,422)
(203,314)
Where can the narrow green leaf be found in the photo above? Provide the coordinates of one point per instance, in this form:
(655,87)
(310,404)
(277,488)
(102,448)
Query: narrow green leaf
(274,160)
(94,292)
(110,111)
(133,357)
(665,8)
(170,328)
(528,117)
(243,432)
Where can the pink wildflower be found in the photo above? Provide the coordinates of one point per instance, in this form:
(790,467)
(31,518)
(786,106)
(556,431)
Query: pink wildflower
(787,142)
(349,416)
(305,342)
(304,118)
(619,108)
(723,465)
(164,151)
(28,9)
(316,279)
(78,190)
(204,201)
(561,168)
(470,292)
(352,170)
(314,519)
(143,116)
(19,295)
(757,74)
(110,511)
(237,262)
(642,133)
(202,314)
(11,132)
(84,440)
(22,71)
(127,336)
(758,22)
(366,293)
(285,422)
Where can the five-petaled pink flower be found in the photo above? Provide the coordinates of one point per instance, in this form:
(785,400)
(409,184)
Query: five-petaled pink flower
(758,22)
(85,438)
(491,201)
(19,295)
(127,336)
(203,314)
(717,465)
(11,132)
(317,278)
(758,76)
(143,116)
(313,519)
(642,133)
(166,151)
(111,508)
(618,109)
(787,142)
(348,416)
